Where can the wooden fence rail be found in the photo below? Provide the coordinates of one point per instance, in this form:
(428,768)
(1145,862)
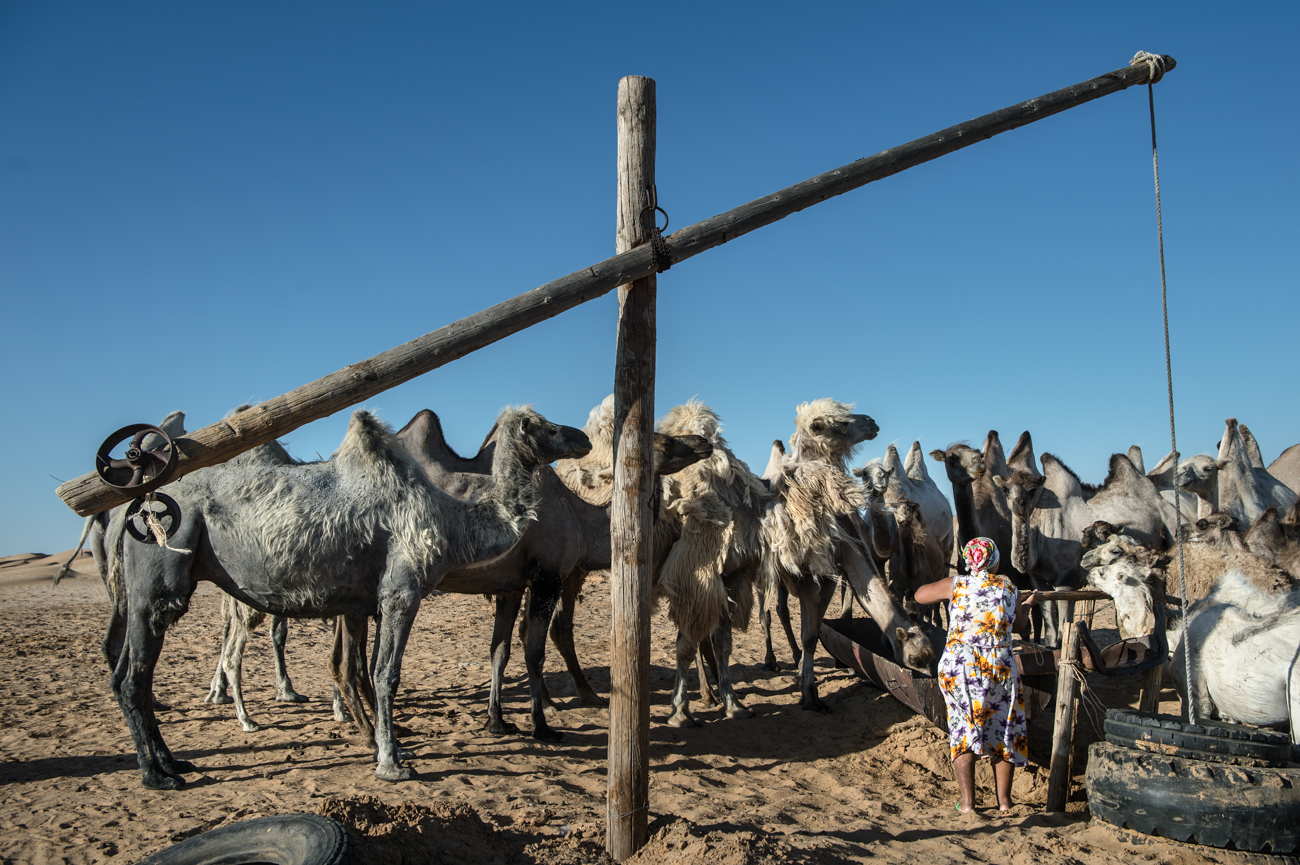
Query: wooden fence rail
(353,384)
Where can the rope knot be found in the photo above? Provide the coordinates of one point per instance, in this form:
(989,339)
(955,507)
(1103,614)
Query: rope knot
(1155,64)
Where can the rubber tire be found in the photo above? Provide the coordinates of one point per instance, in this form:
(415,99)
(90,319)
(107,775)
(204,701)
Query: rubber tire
(1215,741)
(285,839)
(1256,810)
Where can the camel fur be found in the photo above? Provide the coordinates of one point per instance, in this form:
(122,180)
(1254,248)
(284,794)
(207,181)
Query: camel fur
(813,536)
(1286,468)
(1246,490)
(364,533)
(715,508)
(592,476)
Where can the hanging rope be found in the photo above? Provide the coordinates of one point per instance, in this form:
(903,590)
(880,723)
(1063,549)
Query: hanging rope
(1156,67)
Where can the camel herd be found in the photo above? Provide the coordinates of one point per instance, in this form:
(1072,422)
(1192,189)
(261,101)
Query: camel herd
(393,516)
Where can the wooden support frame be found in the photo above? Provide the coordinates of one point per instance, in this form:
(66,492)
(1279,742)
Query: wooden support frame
(281,415)
(1067,692)
(632,536)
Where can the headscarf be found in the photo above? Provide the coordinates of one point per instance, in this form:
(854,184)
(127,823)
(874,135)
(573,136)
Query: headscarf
(981,556)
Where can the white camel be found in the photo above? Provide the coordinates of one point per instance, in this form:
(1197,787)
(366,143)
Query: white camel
(363,533)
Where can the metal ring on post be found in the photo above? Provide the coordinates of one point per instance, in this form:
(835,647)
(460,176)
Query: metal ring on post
(141,471)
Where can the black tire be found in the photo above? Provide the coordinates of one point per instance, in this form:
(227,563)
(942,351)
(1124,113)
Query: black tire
(1216,741)
(1251,809)
(285,839)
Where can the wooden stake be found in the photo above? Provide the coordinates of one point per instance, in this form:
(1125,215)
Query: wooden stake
(1067,689)
(281,415)
(628,800)
(1149,701)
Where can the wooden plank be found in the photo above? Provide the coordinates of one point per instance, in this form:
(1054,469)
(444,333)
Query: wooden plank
(356,383)
(1067,690)
(632,537)
(1090,595)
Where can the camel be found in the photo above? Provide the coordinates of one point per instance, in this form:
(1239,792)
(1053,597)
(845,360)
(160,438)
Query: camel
(924,531)
(1286,468)
(813,533)
(362,534)
(1277,540)
(1246,490)
(1163,477)
(1050,511)
(568,539)
(1214,546)
(592,476)
(715,509)
(1245,638)
(238,623)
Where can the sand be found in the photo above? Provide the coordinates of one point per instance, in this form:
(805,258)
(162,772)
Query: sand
(869,782)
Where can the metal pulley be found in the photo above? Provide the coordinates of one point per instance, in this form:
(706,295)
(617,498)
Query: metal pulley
(141,472)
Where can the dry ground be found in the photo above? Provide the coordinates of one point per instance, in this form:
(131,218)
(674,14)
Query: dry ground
(869,782)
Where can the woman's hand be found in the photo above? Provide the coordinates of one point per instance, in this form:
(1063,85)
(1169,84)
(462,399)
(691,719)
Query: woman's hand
(1031,599)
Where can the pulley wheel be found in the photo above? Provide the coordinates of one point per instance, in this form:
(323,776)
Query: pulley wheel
(164,510)
(140,471)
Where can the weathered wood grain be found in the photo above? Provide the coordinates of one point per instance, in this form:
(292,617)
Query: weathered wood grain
(632,537)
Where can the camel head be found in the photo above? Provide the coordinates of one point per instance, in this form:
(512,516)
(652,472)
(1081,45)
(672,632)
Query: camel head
(1218,530)
(875,479)
(914,648)
(1129,573)
(1021,490)
(828,430)
(674,453)
(963,464)
(1097,534)
(1198,475)
(541,441)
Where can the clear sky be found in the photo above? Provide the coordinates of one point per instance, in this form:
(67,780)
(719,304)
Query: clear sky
(203,204)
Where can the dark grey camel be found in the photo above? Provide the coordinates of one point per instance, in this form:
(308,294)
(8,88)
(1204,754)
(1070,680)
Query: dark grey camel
(569,539)
(362,534)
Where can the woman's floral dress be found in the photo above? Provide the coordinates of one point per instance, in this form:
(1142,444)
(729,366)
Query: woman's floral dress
(977,673)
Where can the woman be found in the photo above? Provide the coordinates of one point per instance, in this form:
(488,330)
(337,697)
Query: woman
(977,673)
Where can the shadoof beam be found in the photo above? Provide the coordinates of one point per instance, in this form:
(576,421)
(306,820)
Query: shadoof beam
(276,417)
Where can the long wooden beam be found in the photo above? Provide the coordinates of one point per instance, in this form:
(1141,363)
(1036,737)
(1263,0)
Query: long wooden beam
(356,383)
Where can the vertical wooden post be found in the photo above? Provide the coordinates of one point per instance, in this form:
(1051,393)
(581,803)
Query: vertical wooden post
(628,801)
(1067,689)
(1152,679)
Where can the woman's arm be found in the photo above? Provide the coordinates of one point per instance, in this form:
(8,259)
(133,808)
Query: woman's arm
(1022,609)
(933,593)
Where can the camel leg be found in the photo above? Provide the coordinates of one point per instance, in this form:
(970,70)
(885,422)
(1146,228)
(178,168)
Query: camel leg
(217,694)
(783,613)
(765,619)
(681,715)
(720,641)
(814,599)
(543,595)
(232,663)
(399,602)
(284,692)
(351,678)
(705,659)
(149,613)
(507,609)
(562,637)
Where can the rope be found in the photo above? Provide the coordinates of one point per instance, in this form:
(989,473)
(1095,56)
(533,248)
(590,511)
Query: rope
(156,527)
(1155,66)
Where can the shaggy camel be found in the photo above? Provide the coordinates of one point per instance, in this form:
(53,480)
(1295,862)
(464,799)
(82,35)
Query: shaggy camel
(569,539)
(813,533)
(715,509)
(1051,510)
(364,533)
(1213,546)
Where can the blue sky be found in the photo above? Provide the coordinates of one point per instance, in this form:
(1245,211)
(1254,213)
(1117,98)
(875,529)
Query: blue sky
(204,204)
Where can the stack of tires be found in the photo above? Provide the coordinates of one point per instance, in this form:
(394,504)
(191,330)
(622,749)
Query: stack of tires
(1219,784)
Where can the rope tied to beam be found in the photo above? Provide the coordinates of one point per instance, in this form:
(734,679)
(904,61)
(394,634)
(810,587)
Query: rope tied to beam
(1155,64)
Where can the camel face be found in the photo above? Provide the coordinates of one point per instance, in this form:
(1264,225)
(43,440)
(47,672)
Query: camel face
(1021,490)
(828,430)
(962,463)
(1126,571)
(554,441)
(1197,475)
(916,649)
(674,453)
(875,478)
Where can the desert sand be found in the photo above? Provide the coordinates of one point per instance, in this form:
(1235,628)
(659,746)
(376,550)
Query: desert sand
(869,782)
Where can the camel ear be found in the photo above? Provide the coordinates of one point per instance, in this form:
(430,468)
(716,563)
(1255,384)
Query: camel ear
(1000,481)
(1221,464)
(938,456)
(900,635)
(857,473)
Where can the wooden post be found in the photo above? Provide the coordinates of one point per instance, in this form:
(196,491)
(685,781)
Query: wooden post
(281,415)
(1067,689)
(628,799)
(1149,701)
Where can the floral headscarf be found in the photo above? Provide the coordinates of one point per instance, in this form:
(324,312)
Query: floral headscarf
(981,556)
